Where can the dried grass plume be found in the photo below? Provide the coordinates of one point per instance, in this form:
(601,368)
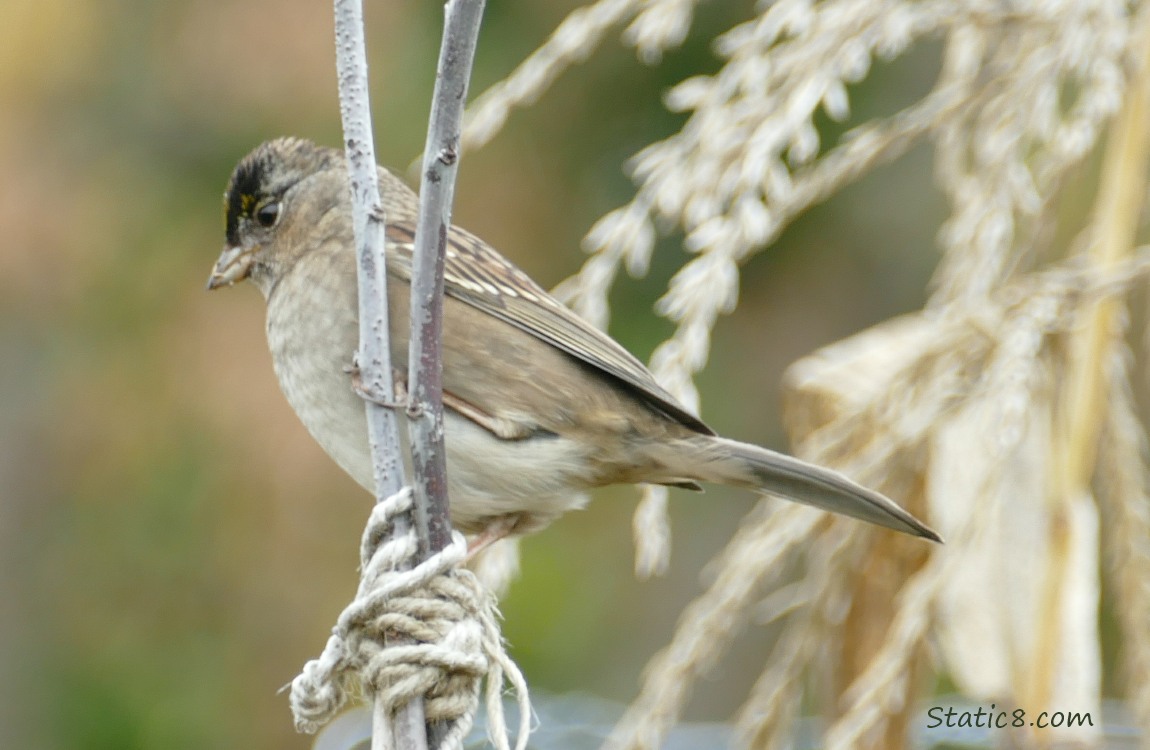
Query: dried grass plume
(1003,411)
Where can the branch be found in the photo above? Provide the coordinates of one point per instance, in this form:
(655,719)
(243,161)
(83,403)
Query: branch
(425,353)
(425,377)
(425,348)
(374,354)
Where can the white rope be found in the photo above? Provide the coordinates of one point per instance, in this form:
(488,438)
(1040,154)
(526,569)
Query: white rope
(430,631)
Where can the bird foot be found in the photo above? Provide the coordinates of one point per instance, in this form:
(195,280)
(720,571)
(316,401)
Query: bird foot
(504,429)
(364,391)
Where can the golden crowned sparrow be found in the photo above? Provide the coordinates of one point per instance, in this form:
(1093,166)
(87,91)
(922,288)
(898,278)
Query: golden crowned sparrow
(540,405)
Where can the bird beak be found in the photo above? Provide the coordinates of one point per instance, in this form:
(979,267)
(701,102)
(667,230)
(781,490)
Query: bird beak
(234,265)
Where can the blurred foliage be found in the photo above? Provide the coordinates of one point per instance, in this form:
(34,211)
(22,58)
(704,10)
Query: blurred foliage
(173,546)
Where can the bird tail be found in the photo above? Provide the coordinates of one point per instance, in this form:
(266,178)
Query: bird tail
(729,462)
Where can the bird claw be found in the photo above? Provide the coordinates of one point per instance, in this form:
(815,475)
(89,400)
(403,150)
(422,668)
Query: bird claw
(364,391)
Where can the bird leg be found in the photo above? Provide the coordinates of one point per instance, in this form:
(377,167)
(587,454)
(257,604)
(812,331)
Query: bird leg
(498,528)
(504,429)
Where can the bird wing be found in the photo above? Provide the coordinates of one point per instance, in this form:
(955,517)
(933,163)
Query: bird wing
(478,275)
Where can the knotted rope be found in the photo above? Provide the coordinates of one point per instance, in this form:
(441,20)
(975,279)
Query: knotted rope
(431,631)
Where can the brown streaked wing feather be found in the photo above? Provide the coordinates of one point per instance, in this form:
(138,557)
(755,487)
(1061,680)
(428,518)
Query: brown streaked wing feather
(474,273)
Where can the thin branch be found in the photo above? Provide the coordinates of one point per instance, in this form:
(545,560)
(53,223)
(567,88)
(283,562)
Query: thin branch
(425,350)
(425,376)
(374,355)
(425,407)
(374,358)
(425,354)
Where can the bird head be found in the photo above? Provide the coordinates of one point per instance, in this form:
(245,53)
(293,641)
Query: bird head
(276,194)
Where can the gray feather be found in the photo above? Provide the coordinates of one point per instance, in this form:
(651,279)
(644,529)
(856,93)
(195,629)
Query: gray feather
(723,461)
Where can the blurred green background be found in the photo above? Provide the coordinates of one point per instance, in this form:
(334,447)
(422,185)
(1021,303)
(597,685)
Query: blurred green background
(173,546)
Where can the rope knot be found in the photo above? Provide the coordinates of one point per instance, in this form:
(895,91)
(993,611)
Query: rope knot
(427,631)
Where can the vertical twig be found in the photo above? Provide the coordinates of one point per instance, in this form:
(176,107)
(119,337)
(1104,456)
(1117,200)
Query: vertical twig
(374,355)
(425,350)
(425,355)
(425,407)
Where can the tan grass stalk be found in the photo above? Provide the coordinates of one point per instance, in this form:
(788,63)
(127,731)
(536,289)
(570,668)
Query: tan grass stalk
(1084,399)
(1125,492)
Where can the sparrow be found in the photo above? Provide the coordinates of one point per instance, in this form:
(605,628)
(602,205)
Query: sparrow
(540,406)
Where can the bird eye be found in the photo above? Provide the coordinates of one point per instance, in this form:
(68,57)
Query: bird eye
(267,214)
